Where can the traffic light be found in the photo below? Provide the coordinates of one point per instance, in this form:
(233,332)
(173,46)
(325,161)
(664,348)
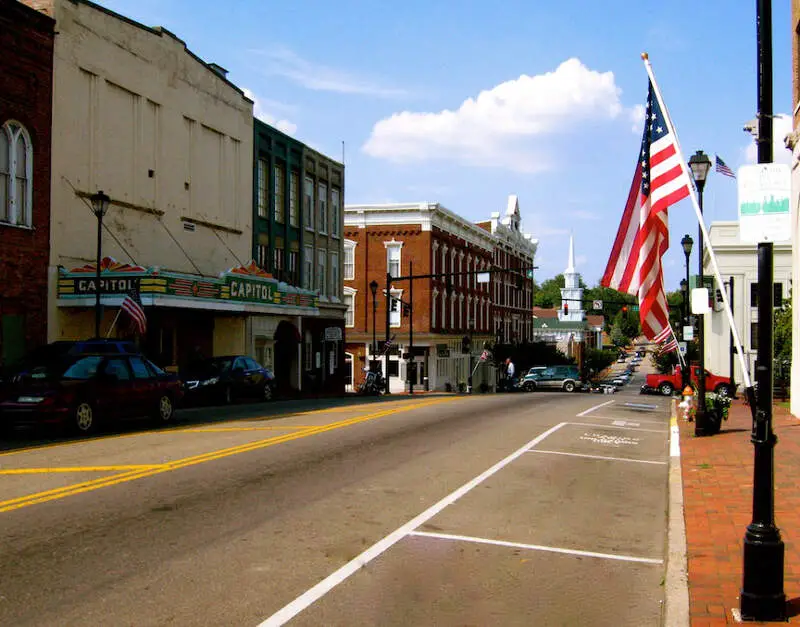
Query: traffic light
(625,311)
(566,309)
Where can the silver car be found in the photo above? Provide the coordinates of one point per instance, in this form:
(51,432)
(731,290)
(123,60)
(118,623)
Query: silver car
(565,378)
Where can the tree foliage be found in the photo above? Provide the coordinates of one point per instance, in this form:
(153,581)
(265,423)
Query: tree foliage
(782,332)
(548,294)
(598,360)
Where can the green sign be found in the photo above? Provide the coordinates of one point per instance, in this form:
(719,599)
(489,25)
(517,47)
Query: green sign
(252,291)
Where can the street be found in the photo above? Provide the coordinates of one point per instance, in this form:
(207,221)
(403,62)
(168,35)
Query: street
(511,509)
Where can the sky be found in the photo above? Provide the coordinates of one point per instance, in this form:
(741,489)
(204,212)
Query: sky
(464,103)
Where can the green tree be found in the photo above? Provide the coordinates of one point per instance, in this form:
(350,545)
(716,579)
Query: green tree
(782,332)
(598,360)
(548,294)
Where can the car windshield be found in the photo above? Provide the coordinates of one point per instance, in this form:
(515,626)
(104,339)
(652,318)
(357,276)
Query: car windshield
(82,369)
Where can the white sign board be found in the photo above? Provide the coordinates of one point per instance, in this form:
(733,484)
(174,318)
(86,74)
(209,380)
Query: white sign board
(682,346)
(764,212)
(688,333)
(483,277)
(700,301)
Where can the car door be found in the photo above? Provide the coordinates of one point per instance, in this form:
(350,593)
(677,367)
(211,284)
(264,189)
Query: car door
(255,375)
(144,386)
(242,377)
(547,378)
(115,398)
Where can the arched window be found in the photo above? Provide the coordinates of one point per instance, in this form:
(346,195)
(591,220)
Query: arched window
(16,175)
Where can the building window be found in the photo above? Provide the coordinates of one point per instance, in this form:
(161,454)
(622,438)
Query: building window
(308,268)
(322,200)
(393,257)
(322,271)
(336,211)
(754,336)
(334,291)
(349,260)
(293,267)
(777,294)
(308,357)
(350,300)
(433,307)
(277,261)
(279,194)
(16,175)
(308,203)
(444,310)
(263,186)
(394,308)
(262,252)
(294,190)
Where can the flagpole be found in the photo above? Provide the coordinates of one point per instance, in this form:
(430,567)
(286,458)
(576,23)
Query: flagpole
(692,192)
(113,324)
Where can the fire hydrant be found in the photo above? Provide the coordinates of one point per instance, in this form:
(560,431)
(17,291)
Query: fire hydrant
(687,405)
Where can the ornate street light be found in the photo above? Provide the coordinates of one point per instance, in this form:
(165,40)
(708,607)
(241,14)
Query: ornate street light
(373,287)
(100,208)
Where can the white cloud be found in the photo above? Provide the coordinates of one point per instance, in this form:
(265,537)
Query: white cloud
(508,125)
(282,125)
(637,118)
(781,126)
(284,62)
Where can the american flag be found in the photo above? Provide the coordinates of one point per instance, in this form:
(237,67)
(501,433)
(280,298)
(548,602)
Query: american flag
(722,168)
(132,305)
(387,345)
(643,236)
(666,340)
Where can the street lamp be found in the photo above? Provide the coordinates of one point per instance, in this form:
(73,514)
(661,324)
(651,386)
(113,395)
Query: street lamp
(99,208)
(373,287)
(700,165)
(471,325)
(687,243)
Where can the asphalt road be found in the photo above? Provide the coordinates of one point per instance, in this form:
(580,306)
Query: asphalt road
(512,509)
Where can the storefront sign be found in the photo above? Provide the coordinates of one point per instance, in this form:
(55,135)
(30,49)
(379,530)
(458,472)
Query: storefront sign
(252,291)
(333,334)
(442,350)
(86,286)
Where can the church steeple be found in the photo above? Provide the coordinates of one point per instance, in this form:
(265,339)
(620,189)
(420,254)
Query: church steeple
(572,292)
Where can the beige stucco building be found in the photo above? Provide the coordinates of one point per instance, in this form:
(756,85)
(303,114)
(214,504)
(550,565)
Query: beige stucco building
(170,140)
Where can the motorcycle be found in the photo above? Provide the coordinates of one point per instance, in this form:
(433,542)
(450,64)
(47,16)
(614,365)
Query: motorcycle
(373,384)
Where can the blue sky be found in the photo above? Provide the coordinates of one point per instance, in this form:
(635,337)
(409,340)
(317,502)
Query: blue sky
(467,105)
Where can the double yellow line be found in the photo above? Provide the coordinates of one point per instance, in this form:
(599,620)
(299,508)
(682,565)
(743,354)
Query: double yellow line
(140,472)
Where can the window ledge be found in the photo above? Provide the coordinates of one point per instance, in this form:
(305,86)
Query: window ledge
(23,227)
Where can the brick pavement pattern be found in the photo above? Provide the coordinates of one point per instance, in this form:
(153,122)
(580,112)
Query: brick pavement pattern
(717,476)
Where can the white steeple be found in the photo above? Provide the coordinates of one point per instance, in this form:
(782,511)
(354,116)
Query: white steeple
(572,292)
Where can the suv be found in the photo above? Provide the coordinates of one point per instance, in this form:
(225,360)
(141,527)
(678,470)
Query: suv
(565,378)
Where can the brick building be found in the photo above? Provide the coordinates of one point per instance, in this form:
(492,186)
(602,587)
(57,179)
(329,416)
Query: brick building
(428,239)
(512,288)
(26,80)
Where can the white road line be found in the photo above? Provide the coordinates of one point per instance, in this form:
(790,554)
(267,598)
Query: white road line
(613,459)
(591,409)
(627,419)
(315,593)
(537,547)
(596,426)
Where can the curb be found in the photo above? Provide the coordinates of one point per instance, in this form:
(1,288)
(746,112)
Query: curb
(677,577)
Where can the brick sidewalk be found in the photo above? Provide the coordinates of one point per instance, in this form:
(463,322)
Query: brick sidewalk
(718,495)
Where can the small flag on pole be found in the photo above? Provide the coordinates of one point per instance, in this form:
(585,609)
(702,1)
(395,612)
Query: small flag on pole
(132,305)
(666,340)
(722,168)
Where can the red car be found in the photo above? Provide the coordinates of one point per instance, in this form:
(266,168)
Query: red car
(84,391)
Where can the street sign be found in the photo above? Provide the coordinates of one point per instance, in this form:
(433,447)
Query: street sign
(529,273)
(682,346)
(333,334)
(764,212)
(597,304)
(483,277)
(700,304)
(688,333)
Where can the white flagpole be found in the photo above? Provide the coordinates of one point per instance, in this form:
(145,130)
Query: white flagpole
(113,324)
(745,373)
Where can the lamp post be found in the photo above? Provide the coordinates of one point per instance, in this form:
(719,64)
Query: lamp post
(373,287)
(700,165)
(687,243)
(100,208)
(470,324)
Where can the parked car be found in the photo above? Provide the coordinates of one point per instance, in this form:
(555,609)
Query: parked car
(81,392)
(565,378)
(666,384)
(226,379)
(528,382)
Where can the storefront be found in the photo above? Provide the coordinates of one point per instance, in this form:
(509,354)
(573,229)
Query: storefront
(243,311)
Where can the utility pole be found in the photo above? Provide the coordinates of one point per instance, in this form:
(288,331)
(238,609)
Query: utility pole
(762,597)
(411,366)
(388,322)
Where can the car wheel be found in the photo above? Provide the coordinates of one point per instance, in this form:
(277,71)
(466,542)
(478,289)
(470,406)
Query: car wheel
(569,386)
(266,395)
(723,389)
(529,386)
(666,388)
(165,409)
(84,418)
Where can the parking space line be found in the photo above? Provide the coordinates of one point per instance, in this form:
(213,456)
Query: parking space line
(94,484)
(628,419)
(591,409)
(313,594)
(596,426)
(538,547)
(57,469)
(613,459)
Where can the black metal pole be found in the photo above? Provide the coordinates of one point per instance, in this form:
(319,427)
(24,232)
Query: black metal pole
(730,343)
(762,597)
(97,307)
(373,360)
(470,323)
(701,426)
(410,366)
(388,322)
(687,368)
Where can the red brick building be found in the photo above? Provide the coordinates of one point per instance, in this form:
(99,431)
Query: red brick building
(26,85)
(434,240)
